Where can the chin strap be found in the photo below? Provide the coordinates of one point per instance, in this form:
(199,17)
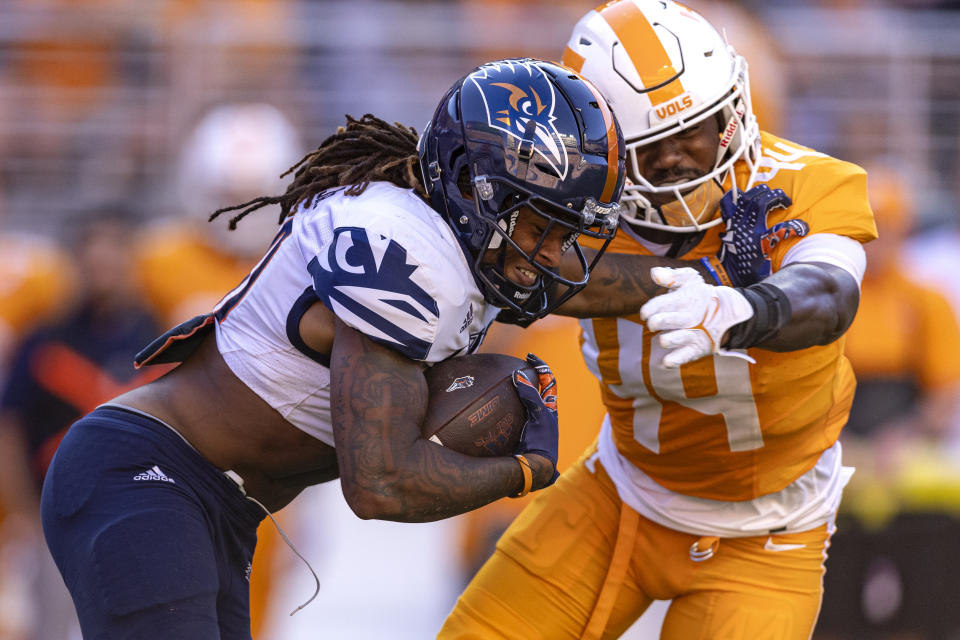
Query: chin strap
(705,199)
(504,285)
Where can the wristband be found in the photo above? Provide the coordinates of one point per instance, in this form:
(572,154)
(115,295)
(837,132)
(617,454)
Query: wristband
(771,311)
(527,475)
(715,268)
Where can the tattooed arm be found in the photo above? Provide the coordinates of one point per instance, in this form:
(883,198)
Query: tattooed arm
(620,284)
(387,470)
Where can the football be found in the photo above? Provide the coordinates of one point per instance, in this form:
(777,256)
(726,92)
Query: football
(473,406)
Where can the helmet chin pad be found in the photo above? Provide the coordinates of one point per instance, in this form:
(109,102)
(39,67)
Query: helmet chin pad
(695,207)
(510,290)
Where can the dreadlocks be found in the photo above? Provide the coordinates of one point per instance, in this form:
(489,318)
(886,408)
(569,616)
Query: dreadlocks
(363,151)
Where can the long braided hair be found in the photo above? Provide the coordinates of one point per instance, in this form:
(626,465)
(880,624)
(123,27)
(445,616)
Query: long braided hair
(363,151)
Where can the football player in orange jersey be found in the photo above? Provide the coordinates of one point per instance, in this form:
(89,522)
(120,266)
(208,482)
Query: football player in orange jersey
(717,472)
(35,280)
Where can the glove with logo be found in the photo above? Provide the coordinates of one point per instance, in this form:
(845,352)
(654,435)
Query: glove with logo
(693,315)
(541,433)
(747,242)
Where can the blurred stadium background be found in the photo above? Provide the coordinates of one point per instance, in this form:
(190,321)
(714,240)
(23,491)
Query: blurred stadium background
(99,103)
(97,96)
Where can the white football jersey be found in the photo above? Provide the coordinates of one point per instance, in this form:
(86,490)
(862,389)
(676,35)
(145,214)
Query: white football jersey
(384,262)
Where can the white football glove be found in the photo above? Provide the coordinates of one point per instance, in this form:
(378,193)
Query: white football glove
(694,315)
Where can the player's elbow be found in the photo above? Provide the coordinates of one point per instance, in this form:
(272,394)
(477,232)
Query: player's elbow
(367,508)
(843,299)
(374,499)
(848,310)
(823,306)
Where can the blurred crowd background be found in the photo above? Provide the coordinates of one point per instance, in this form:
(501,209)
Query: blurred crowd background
(123,124)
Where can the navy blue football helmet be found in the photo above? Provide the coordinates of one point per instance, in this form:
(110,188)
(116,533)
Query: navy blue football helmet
(524,133)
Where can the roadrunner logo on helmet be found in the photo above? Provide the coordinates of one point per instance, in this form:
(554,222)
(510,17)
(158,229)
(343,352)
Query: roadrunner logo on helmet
(526,109)
(524,133)
(664,68)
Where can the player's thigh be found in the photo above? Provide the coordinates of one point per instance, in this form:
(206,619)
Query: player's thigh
(754,590)
(137,556)
(149,571)
(543,579)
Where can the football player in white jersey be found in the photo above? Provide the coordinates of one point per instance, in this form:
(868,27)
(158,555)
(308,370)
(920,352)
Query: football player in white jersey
(717,471)
(392,253)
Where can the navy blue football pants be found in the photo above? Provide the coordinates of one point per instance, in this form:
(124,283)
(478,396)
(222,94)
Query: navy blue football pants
(153,541)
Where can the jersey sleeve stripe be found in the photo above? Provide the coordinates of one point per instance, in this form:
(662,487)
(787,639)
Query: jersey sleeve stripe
(396,338)
(304,302)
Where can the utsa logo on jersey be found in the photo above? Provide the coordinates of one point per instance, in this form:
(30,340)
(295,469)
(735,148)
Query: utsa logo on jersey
(524,112)
(780,232)
(367,276)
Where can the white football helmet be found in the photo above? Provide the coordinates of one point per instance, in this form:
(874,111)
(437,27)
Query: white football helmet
(235,153)
(663,68)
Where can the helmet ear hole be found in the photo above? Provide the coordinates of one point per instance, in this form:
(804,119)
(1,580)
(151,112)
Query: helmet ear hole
(454,156)
(464,183)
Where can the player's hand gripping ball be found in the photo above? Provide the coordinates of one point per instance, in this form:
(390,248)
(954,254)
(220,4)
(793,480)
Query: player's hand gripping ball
(541,433)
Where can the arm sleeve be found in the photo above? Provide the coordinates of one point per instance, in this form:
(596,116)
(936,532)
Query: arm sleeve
(840,251)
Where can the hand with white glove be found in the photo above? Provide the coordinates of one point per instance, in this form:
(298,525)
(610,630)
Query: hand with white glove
(693,315)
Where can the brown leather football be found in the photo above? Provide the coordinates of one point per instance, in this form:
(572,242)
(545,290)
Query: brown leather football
(473,406)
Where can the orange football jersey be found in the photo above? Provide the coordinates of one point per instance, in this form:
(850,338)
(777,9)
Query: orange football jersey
(720,427)
(903,329)
(184,275)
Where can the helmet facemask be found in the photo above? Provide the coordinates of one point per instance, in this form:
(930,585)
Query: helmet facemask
(552,287)
(695,204)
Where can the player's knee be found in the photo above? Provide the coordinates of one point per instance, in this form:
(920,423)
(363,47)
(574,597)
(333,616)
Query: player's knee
(481,615)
